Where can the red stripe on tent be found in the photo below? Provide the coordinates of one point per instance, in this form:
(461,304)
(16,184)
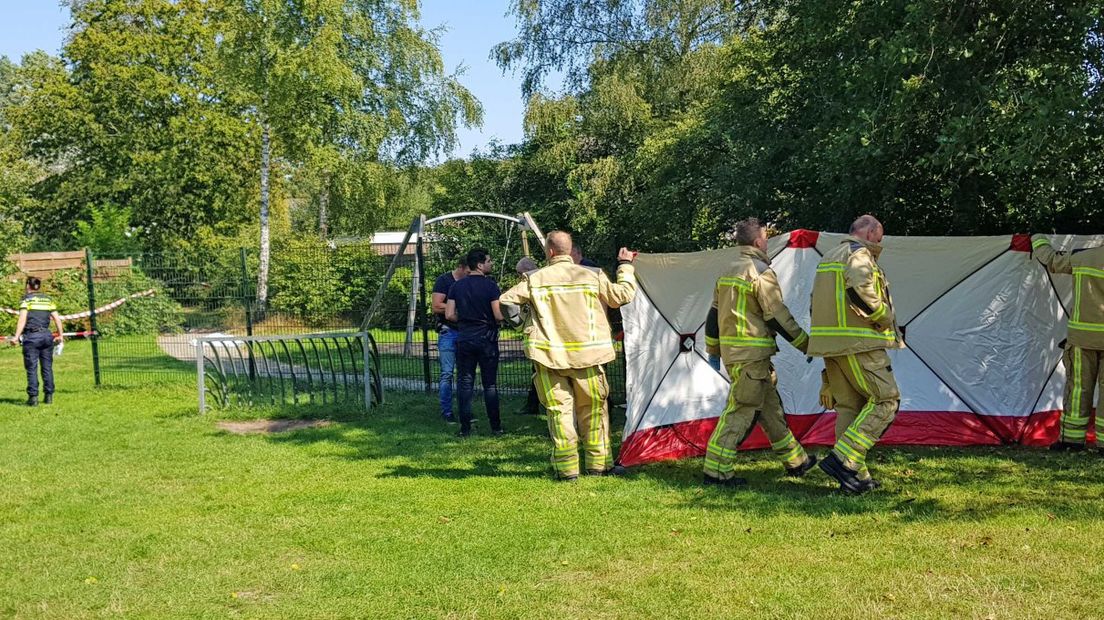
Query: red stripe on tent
(801,238)
(1021,243)
(916,428)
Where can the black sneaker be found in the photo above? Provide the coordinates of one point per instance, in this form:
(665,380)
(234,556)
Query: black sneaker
(48,399)
(464,434)
(728,483)
(449,419)
(32,401)
(849,481)
(498,432)
(1067,446)
(802,469)
(616,470)
(566,478)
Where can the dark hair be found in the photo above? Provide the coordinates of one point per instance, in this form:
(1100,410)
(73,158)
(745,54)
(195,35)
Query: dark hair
(34,283)
(462,260)
(747,231)
(477,256)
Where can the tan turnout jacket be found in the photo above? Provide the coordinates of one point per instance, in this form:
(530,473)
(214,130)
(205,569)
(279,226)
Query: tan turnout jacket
(1086,321)
(852,311)
(748,312)
(566,325)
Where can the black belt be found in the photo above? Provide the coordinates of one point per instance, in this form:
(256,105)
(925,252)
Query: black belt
(35,330)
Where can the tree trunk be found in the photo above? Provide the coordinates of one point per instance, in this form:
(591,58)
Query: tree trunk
(262,270)
(323,208)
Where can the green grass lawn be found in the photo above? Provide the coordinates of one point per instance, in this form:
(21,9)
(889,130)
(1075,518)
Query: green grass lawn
(125,503)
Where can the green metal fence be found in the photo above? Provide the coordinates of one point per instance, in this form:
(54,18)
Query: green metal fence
(313,288)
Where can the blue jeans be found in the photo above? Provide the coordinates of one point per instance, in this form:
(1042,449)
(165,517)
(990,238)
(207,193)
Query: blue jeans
(446,352)
(482,352)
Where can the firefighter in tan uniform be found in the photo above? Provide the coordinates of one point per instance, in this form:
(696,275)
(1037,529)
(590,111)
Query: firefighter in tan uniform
(1083,354)
(567,336)
(747,313)
(853,324)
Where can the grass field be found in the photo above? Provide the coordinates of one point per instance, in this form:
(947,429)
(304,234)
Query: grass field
(125,503)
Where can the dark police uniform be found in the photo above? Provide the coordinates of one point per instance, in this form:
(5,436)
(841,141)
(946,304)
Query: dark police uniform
(38,343)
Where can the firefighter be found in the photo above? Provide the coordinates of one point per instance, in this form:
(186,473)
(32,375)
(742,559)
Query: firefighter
(1083,352)
(32,329)
(853,325)
(567,337)
(747,313)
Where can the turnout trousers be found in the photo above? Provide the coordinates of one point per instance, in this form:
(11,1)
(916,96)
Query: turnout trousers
(575,400)
(867,400)
(753,398)
(1083,375)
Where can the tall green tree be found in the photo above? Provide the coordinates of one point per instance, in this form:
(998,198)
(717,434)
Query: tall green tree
(132,116)
(338,84)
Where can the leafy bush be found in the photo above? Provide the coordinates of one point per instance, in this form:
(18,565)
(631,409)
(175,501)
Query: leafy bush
(319,284)
(143,315)
(108,232)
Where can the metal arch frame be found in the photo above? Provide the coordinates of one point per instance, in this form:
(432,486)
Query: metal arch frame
(417,228)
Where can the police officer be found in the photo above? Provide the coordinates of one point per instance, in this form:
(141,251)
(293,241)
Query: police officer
(853,324)
(1083,356)
(747,314)
(33,330)
(568,340)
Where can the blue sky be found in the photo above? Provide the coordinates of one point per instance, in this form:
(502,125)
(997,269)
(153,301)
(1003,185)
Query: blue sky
(473,27)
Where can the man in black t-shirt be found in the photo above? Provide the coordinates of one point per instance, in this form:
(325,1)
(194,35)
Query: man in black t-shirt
(473,306)
(446,335)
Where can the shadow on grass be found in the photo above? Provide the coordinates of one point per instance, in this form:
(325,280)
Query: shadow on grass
(407,429)
(919,484)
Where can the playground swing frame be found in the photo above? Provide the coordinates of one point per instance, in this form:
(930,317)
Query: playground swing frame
(416,234)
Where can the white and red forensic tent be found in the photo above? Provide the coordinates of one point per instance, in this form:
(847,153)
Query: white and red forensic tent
(982,321)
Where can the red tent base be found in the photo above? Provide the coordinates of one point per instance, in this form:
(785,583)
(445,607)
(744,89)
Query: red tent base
(916,428)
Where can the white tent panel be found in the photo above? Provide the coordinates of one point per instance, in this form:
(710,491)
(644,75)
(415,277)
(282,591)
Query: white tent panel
(650,344)
(921,389)
(691,391)
(994,338)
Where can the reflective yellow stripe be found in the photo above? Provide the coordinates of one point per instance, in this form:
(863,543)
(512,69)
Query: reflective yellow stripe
(1088,327)
(736,341)
(741,315)
(797,342)
(857,371)
(1075,396)
(879,313)
(36,306)
(711,341)
(545,345)
(1038,243)
(857,332)
(739,283)
(595,407)
(841,302)
(1089,271)
(566,288)
(1076,298)
(828,267)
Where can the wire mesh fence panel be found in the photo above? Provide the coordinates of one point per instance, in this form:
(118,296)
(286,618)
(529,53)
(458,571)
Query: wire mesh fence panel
(333,368)
(154,307)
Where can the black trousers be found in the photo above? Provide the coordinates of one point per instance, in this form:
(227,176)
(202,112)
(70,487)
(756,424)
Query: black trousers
(481,352)
(38,350)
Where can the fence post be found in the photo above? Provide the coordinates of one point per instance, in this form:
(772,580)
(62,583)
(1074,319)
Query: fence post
(248,303)
(199,374)
(419,254)
(367,378)
(92,315)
